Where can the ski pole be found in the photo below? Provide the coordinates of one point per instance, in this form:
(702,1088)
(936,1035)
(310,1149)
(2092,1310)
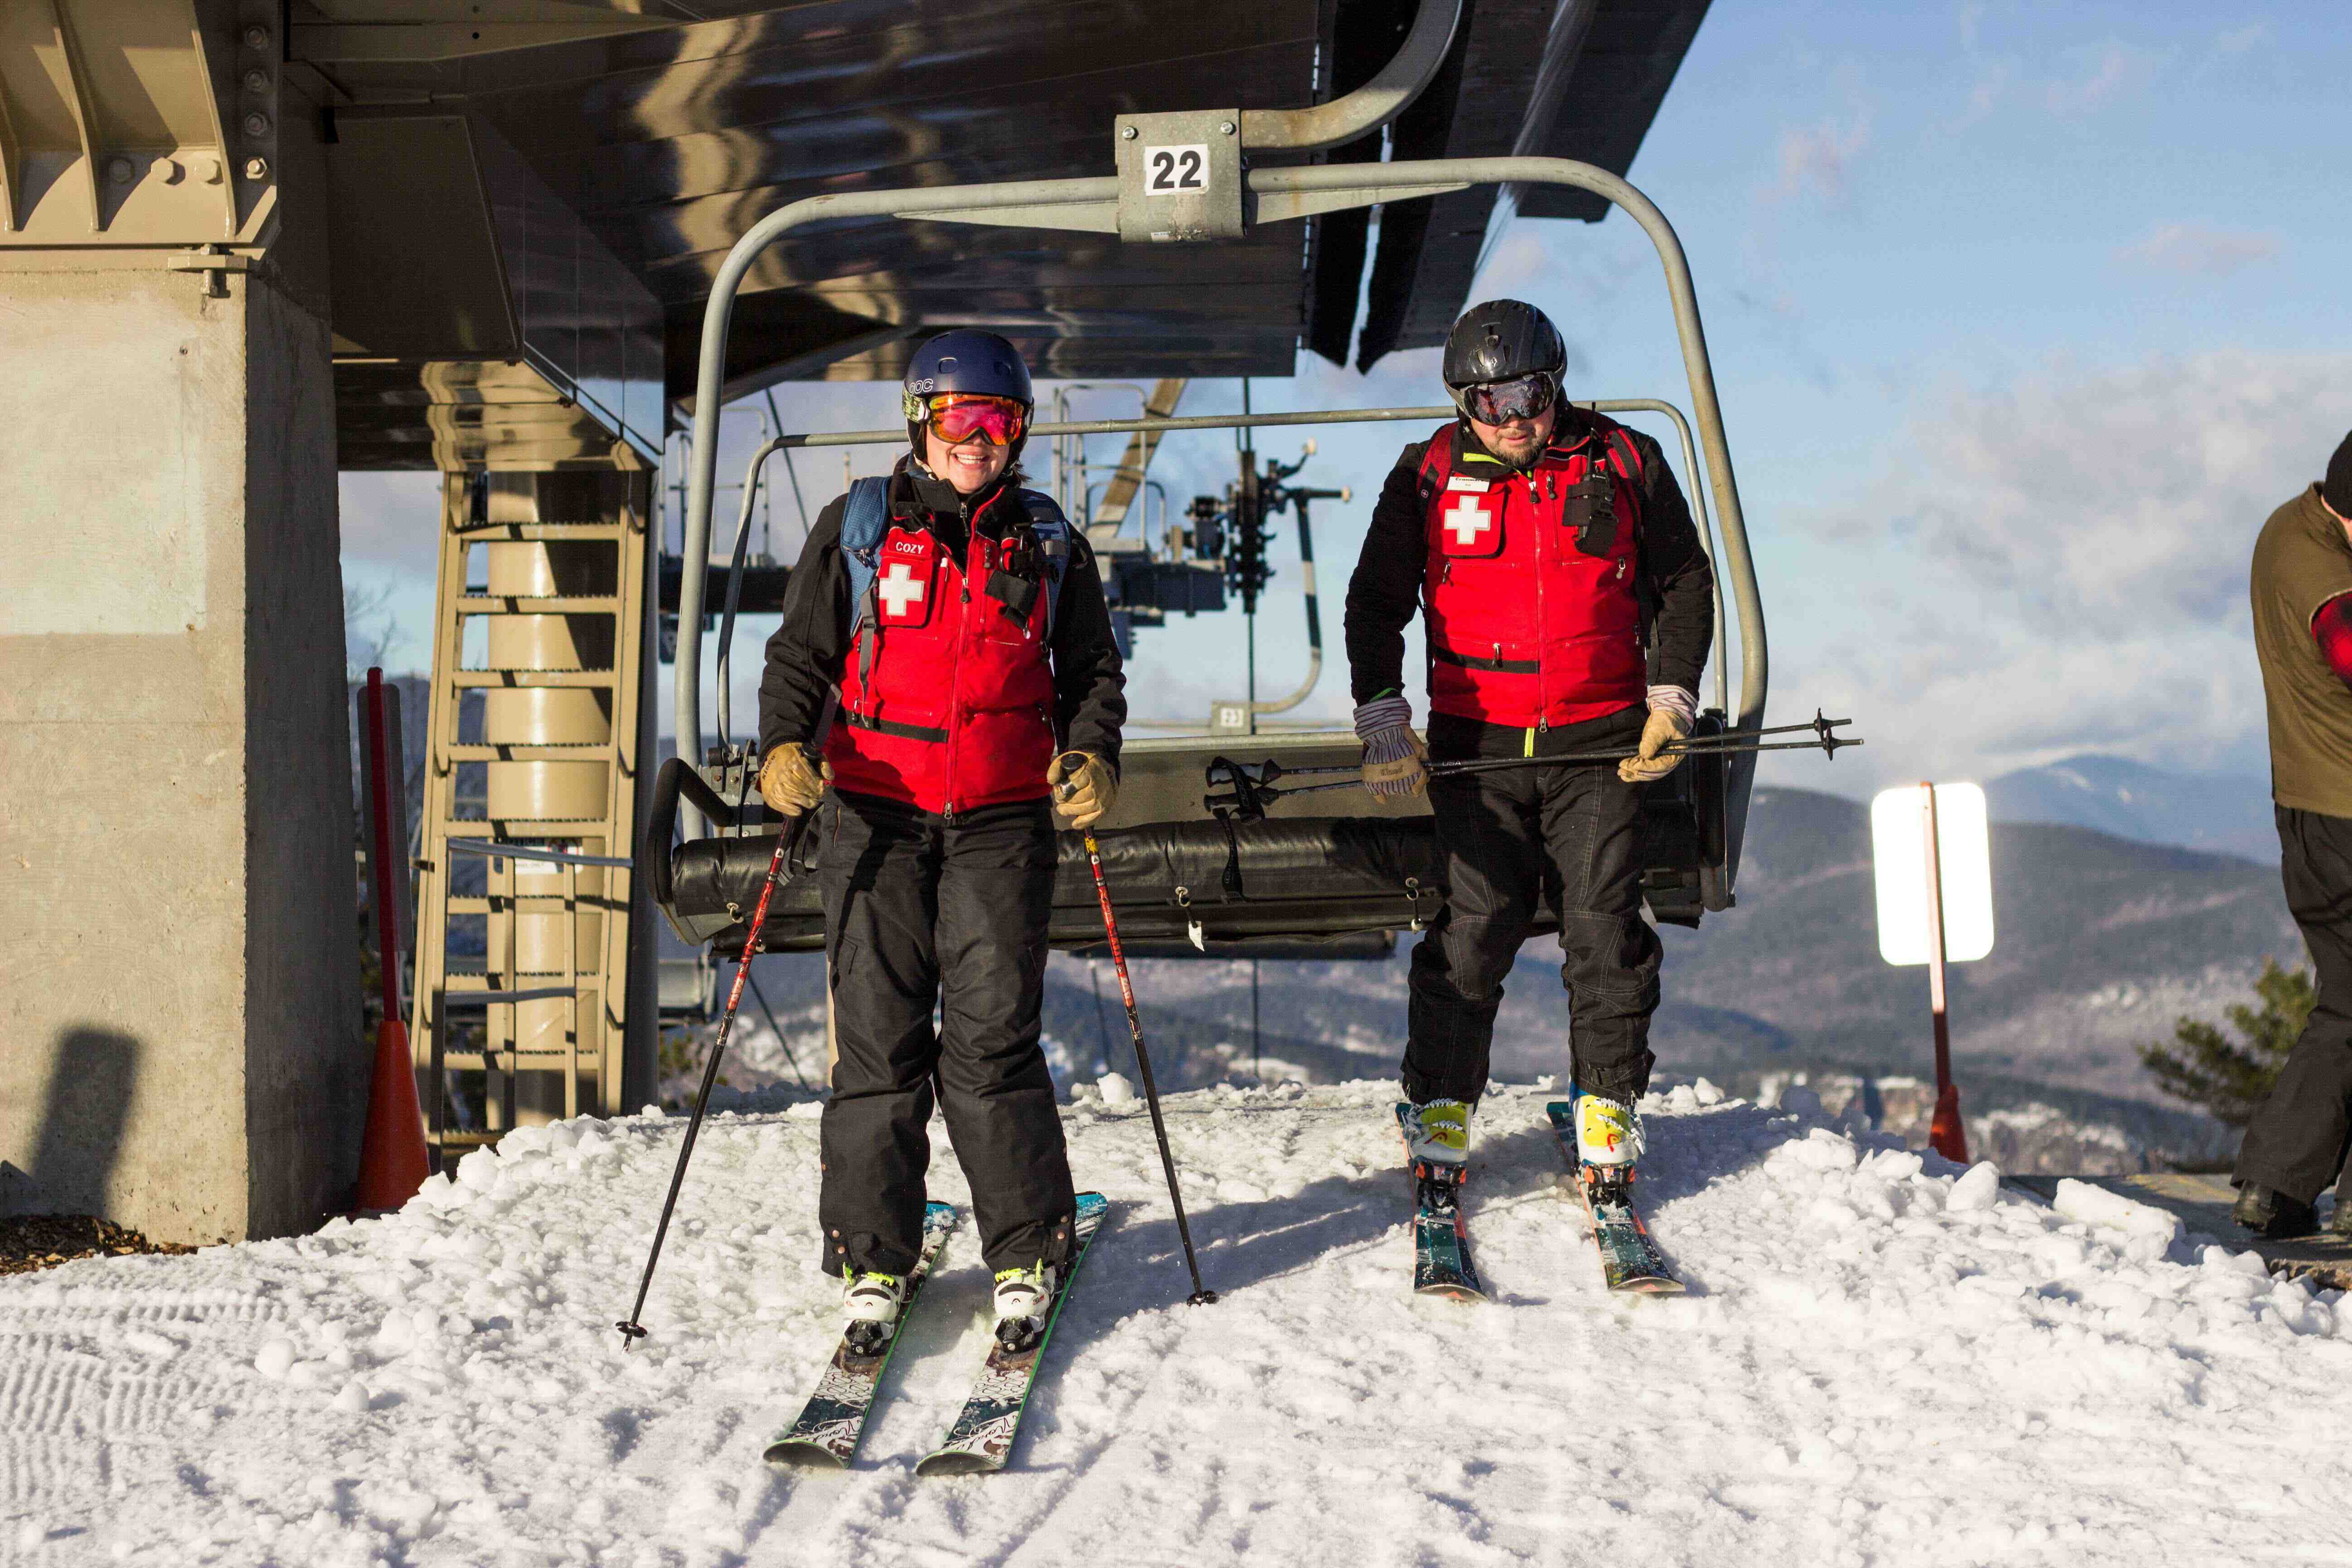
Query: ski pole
(1705,746)
(787,843)
(1251,784)
(1201,1296)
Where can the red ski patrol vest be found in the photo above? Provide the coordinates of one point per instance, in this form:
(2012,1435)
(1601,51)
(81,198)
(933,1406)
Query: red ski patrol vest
(1533,615)
(947,698)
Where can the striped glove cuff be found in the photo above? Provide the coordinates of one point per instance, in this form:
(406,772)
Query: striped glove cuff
(1679,700)
(1383,713)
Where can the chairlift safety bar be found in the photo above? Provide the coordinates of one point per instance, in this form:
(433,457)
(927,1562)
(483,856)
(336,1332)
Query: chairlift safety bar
(495,850)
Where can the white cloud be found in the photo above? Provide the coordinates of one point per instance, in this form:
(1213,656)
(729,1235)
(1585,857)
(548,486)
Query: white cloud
(2105,71)
(2196,250)
(392,519)
(1819,159)
(2061,565)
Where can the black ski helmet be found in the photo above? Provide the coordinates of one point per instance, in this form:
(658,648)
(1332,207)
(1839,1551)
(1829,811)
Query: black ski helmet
(965,360)
(1502,340)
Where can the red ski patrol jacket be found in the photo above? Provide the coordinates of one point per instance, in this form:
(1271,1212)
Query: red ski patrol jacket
(1530,593)
(947,700)
(946,696)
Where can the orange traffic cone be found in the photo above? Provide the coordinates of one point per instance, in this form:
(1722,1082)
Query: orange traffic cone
(1946,1135)
(392,1159)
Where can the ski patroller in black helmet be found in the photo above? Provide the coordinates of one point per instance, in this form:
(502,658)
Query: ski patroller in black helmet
(1502,340)
(966,359)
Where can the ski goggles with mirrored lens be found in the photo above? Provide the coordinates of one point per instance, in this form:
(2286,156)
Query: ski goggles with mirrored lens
(1500,402)
(957,416)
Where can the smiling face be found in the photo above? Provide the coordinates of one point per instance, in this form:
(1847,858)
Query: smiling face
(1517,441)
(970,465)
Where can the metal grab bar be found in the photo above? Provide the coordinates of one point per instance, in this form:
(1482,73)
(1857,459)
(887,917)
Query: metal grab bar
(1370,106)
(677,777)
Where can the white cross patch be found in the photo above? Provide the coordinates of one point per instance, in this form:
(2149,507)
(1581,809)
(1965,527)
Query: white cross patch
(1467,518)
(899,588)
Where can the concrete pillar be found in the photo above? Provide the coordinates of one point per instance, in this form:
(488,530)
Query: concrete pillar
(180,1042)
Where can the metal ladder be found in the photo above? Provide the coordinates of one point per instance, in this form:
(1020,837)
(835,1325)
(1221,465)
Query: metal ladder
(552,820)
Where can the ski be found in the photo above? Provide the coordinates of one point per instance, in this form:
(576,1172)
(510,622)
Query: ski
(1441,1239)
(1630,1260)
(830,1425)
(982,1439)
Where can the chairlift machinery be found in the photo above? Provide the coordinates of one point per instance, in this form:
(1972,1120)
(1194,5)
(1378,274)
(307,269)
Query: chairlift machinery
(1293,878)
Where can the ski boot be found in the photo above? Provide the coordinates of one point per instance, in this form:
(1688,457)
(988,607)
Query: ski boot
(1608,1141)
(1437,1133)
(1023,1298)
(873,1301)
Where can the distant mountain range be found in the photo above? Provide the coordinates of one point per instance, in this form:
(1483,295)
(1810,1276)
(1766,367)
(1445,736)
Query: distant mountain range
(2227,813)
(2101,942)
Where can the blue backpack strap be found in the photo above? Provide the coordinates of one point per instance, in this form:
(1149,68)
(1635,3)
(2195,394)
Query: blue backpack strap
(1054,536)
(865,519)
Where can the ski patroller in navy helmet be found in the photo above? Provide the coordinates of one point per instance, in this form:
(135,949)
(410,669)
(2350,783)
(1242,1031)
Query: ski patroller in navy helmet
(966,359)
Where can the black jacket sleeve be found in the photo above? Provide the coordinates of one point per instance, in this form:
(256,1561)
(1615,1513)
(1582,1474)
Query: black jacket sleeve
(1681,582)
(1089,680)
(807,648)
(1384,594)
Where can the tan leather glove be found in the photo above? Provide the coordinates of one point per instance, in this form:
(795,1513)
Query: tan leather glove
(1396,761)
(1665,727)
(1084,787)
(790,782)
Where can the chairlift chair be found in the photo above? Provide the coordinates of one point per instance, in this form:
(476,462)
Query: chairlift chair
(1185,875)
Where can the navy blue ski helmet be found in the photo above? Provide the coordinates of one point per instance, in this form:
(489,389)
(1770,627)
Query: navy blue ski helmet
(966,359)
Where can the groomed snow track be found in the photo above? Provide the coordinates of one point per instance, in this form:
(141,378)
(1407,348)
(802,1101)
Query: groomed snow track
(1877,1365)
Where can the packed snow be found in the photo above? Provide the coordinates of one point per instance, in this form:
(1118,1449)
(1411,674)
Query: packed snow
(1881,1361)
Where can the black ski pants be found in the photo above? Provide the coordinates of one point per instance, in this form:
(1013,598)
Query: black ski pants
(921,910)
(1503,835)
(2296,1142)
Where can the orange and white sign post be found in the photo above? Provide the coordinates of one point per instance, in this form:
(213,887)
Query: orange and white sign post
(1932,848)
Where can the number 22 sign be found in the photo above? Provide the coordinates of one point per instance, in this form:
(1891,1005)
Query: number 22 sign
(1176,171)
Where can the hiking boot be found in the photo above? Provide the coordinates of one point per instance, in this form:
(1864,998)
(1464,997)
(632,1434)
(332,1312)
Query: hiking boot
(2273,1214)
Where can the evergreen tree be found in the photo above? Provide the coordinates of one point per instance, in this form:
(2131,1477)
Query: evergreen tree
(2205,1067)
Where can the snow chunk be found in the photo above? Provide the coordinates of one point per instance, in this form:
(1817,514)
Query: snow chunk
(1705,1093)
(1116,1090)
(1978,1189)
(478,1170)
(525,1142)
(2151,1231)
(276,1358)
(2222,1260)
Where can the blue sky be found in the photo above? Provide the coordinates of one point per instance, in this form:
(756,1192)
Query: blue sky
(2025,317)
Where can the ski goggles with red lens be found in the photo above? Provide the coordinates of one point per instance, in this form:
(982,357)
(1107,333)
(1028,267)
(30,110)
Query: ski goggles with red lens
(1500,402)
(957,416)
